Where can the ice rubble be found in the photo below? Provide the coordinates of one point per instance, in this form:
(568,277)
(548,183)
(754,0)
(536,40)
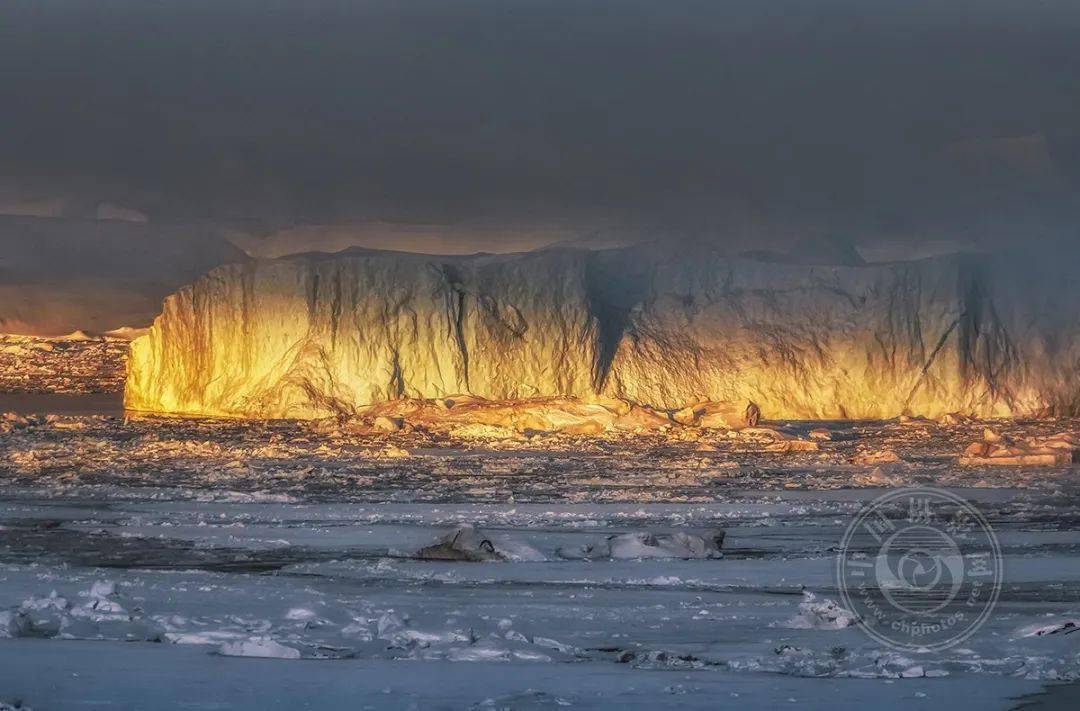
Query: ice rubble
(467,613)
(821,614)
(304,633)
(643,545)
(288,461)
(1042,630)
(30,364)
(101,616)
(467,544)
(258,647)
(995,449)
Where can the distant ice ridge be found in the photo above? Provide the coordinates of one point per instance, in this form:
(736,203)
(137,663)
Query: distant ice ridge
(318,335)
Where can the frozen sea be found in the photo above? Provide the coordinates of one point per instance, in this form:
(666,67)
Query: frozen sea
(119,593)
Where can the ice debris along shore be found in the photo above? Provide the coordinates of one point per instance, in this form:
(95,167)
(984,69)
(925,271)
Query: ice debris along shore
(317,335)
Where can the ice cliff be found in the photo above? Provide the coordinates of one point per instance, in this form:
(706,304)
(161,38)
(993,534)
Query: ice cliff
(317,334)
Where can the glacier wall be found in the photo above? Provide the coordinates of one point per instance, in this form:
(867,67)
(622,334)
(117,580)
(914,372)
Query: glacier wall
(319,334)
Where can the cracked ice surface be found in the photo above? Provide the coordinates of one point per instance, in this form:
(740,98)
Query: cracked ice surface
(164,564)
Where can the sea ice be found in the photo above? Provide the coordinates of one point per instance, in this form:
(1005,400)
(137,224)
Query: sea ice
(821,614)
(258,647)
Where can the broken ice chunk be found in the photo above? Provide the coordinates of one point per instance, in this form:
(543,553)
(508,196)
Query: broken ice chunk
(471,545)
(262,647)
(1059,627)
(629,546)
(821,614)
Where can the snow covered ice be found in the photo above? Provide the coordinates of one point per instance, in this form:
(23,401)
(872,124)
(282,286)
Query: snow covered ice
(164,563)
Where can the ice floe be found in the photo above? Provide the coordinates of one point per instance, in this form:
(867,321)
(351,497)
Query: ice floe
(258,647)
(821,614)
(630,546)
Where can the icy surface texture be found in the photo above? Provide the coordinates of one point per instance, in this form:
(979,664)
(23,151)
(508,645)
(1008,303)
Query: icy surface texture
(175,563)
(292,460)
(112,595)
(72,364)
(316,335)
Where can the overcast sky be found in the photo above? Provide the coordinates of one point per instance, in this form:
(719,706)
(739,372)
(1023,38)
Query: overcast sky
(909,119)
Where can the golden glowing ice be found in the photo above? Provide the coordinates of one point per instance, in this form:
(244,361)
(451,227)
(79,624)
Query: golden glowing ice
(315,335)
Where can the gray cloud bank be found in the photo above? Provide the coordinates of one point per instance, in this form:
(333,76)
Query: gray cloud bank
(745,123)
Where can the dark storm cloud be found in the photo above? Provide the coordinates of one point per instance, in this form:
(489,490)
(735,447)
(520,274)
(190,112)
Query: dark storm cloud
(884,116)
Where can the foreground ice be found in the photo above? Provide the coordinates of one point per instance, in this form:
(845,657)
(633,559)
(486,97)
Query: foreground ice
(278,583)
(184,564)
